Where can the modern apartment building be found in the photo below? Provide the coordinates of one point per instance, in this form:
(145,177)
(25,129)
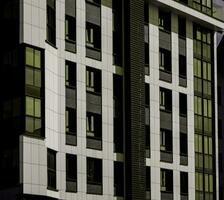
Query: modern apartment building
(111,99)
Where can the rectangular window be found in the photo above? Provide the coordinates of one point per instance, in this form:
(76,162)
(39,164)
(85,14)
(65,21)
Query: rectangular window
(182,66)
(166,180)
(51,169)
(183,144)
(182,26)
(51,21)
(70,119)
(183,104)
(165,60)
(92,36)
(70,28)
(164,21)
(165,100)
(93,80)
(146,94)
(70,74)
(33,67)
(93,125)
(94,176)
(166,141)
(118,179)
(71,173)
(33,115)
(183,183)
(148,179)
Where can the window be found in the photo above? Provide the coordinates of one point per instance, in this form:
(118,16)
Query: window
(182,66)
(183,183)
(33,115)
(70,28)
(51,22)
(166,180)
(183,144)
(165,60)
(146,12)
(164,21)
(70,74)
(146,94)
(51,169)
(94,175)
(118,179)
(93,80)
(183,104)
(93,38)
(165,100)
(33,67)
(148,179)
(71,172)
(166,140)
(203,5)
(70,119)
(93,125)
(182,26)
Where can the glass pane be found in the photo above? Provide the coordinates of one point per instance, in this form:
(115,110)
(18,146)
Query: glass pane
(29,76)
(196,142)
(209,72)
(204,70)
(29,106)
(37,108)
(29,56)
(206,145)
(200,143)
(209,108)
(29,124)
(199,106)
(206,183)
(37,124)
(37,78)
(205,108)
(37,58)
(210,146)
(210,183)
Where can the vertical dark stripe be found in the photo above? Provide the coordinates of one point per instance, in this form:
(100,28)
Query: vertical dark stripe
(134,99)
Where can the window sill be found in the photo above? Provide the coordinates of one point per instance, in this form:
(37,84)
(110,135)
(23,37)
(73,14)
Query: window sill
(51,44)
(52,189)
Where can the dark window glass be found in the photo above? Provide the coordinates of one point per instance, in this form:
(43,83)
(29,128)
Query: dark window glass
(93,36)
(94,1)
(51,22)
(70,28)
(165,100)
(70,74)
(94,171)
(183,104)
(183,183)
(51,169)
(164,20)
(93,125)
(70,119)
(165,60)
(182,26)
(71,167)
(166,180)
(93,80)
(118,179)
(183,144)
(147,94)
(182,66)
(146,12)
(148,179)
(166,143)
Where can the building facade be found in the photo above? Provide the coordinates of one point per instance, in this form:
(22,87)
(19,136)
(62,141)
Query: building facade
(111,99)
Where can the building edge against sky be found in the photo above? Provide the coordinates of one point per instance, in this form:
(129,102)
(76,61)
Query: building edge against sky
(107,99)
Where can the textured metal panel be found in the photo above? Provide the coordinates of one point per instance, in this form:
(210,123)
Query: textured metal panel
(166,196)
(182,82)
(164,40)
(93,14)
(71,98)
(94,189)
(93,143)
(70,46)
(93,103)
(182,46)
(166,157)
(165,120)
(93,53)
(165,76)
(71,186)
(183,160)
(147,116)
(134,100)
(70,7)
(183,124)
(71,139)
